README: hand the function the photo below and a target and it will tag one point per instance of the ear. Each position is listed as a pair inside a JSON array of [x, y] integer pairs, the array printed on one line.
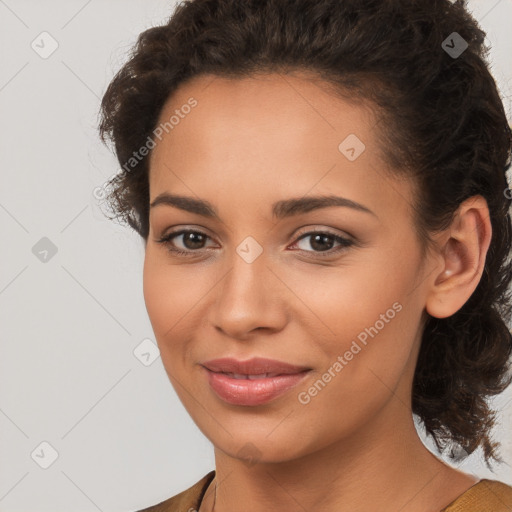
[[462, 252]]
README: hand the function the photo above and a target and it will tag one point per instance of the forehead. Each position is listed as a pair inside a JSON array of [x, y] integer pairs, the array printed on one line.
[[254, 110], [269, 136]]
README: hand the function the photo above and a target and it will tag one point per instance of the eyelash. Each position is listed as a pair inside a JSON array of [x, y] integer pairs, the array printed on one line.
[[344, 243]]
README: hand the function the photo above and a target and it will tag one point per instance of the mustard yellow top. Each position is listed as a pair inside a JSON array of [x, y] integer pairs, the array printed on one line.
[[485, 496]]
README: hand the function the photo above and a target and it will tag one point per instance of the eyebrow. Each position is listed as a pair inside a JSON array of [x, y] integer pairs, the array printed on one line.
[[280, 209]]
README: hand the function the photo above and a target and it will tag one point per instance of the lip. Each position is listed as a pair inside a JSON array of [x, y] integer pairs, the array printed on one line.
[[249, 392], [254, 366]]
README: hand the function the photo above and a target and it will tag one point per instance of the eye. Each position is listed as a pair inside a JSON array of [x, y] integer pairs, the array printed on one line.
[[192, 240], [322, 241]]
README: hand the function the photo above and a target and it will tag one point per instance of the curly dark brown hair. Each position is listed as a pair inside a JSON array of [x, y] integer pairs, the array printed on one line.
[[446, 128]]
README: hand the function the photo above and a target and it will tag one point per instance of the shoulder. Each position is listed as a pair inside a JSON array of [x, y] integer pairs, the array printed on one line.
[[484, 496], [187, 500]]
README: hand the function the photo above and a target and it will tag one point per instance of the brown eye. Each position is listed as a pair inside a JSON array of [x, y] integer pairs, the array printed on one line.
[[323, 242], [192, 241]]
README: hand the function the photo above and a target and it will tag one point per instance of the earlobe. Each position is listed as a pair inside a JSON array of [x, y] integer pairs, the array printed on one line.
[[463, 252]]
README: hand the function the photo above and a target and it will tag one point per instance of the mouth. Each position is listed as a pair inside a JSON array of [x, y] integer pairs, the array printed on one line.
[[257, 366], [252, 386], [241, 376]]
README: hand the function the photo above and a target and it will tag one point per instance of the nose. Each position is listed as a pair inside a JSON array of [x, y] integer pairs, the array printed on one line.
[[249, 298]]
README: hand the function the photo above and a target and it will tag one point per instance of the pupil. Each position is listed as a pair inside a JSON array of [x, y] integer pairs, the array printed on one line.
[[323, 239], [189, 237]]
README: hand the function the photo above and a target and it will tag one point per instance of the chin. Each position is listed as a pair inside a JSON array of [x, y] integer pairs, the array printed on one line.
[[256, 447]]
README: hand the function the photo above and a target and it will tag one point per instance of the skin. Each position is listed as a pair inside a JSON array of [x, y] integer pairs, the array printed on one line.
[[248, 143]]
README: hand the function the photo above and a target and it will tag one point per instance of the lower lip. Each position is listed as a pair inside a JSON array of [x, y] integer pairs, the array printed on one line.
[[252, 392]]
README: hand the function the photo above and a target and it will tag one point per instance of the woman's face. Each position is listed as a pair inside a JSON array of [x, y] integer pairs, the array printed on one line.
[[260, 280]]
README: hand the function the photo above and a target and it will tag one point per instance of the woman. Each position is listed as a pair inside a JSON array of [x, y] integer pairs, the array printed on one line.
[[320, 187]]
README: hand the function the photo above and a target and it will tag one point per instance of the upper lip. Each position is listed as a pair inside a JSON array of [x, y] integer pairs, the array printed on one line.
[[254, 366]]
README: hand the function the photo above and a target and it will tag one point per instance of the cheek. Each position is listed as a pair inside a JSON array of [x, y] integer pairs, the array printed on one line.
[[165, 295], [363, 361], [174, 295], [170, 291], [368, 316]]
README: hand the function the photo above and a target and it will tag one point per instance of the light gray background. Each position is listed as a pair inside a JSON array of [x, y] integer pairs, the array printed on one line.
[[69, 326]]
